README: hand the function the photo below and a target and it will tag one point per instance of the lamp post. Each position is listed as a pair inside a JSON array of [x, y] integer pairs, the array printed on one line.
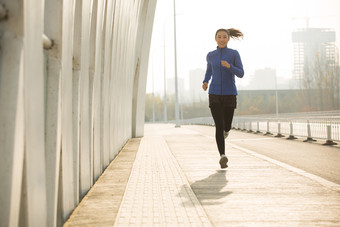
[[164, 68], [164, 60], [153, 83], [153, 90], [276, 99], [176, 82]]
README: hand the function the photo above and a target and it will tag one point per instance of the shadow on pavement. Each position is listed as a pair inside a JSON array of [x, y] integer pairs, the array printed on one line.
[[208, 190]]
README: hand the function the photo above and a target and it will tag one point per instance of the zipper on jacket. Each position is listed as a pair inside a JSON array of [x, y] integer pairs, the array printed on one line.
[[221, 69]]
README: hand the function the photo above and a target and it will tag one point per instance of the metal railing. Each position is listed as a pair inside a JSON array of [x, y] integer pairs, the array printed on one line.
[[312, 126], [327, 128]]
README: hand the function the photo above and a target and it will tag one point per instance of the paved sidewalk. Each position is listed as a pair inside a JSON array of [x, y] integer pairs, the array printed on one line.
[[176, 181], [254, 191], [158, 193]]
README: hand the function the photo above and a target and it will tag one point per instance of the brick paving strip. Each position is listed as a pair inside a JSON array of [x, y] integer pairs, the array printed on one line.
[[101, 204], [158, 193]]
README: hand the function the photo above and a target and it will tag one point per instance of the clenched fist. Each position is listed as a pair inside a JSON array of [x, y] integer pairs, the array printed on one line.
[[225, 64], [205, 86]]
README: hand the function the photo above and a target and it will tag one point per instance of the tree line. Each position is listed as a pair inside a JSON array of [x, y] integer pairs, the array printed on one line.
[[319, 91]]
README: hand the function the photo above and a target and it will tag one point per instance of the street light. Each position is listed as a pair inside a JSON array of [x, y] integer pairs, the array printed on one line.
[[276, 98], [164, 60], [153, 85], [164, 68], [176, 82], [153, 90]]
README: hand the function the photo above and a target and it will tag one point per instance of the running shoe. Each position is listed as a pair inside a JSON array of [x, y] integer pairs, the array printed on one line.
[[223, 161]]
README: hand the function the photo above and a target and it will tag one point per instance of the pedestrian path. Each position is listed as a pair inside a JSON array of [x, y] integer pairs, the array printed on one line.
[[253, 191], [158, 193], [176, 180]]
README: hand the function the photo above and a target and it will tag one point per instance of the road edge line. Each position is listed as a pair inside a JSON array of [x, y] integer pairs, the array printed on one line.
[[320, 180]]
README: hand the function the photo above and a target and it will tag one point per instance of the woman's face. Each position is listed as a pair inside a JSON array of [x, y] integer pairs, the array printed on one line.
[[222, 39]]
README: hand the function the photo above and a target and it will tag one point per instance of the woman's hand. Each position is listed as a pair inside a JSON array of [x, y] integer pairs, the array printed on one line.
[[225, 64], [205, 86]]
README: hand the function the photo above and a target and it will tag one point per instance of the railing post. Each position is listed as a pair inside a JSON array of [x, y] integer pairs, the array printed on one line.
[[329, 136], [309, 133], [250, 127], [291, 135], [257, 127], [279, 130], [244, 126], [268, 132]]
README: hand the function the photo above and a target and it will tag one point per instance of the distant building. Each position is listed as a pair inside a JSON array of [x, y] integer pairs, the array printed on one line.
[[310, 44]]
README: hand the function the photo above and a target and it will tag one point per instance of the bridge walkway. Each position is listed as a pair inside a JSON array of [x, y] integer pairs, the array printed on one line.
[[171, 177]]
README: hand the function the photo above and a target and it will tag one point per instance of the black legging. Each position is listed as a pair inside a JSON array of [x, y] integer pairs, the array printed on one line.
[[223, 116]]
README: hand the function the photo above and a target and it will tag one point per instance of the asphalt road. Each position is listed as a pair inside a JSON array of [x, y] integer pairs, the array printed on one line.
[[314, 158]]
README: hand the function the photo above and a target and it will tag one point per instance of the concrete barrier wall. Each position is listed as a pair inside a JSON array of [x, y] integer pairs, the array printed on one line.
[[66, 110]]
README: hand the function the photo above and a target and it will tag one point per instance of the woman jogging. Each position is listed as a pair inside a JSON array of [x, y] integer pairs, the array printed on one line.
[[223, 64]]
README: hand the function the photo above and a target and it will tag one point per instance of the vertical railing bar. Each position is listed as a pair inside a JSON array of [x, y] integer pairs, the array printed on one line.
[[309, 133], [279, 130], [329, 140], [291, 135], [268, 131]]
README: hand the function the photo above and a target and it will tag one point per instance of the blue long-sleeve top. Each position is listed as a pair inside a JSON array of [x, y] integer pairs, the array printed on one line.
[[223, 78]]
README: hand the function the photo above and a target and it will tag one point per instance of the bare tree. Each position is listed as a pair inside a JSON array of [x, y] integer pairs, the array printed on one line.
[[321, 80]]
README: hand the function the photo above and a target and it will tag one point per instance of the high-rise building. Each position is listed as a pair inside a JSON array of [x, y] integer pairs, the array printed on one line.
[[311, 45]]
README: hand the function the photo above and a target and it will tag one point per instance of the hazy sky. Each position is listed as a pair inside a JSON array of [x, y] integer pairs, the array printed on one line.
[[267, 26]]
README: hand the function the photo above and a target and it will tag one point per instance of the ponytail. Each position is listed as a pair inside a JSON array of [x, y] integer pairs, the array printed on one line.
[[232, 33], [235, 33]]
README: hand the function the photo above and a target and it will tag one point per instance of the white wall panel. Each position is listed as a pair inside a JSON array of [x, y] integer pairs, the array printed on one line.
[[76, 94], [84, 97], [34, 161], [18, 154], [106, 82], [143, 41], [66, 78], [93, 27], [96, 96], [11, 111], [53, 29], [66, 112]]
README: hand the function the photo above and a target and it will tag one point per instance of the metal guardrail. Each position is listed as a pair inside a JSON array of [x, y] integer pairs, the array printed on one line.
[[314, 125], [327, 128]]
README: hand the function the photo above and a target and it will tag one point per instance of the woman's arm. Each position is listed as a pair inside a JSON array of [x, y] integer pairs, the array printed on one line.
[[236, 69], [208, 72]]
